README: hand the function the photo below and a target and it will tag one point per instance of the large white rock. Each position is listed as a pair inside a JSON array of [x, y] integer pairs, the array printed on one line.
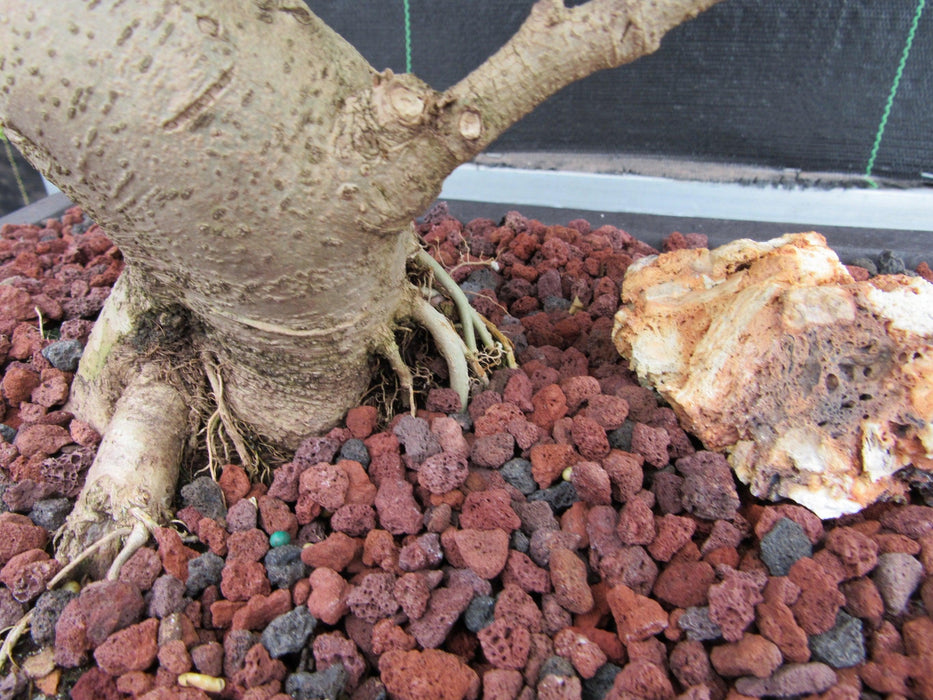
[[819, 387]]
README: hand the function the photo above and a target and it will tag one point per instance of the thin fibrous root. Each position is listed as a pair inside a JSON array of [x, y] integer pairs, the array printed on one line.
[[247, 457], [449, 343], [390, 351]]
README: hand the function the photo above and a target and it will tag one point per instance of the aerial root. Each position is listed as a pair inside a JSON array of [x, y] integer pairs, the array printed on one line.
[[222, 417], [390, 351], [479, 344]]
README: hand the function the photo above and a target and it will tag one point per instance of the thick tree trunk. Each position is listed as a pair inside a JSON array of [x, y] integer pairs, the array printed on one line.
[[260, 177]]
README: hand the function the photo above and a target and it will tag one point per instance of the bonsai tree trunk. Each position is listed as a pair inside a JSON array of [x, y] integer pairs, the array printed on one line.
[[260, 178]]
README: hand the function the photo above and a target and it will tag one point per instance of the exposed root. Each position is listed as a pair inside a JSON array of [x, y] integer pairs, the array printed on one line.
[[390, 351], [12, 638], [88, 552], [223, 418], [450, 345], [136, 466]]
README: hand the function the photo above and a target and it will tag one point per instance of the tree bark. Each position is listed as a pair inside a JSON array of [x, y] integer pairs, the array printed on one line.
[[258, 173]]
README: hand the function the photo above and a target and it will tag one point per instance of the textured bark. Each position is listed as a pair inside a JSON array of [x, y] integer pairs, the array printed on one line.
[[255, 170]]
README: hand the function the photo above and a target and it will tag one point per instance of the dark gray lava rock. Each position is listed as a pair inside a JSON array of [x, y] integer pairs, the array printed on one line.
[[785, 543], [321, 685], [479, 613], [598, 687], [203, 571], [64, 354], [556, 666], [284, 566], [621, 437], [50, 513], [205, 495], [841, 646], [289, 632], [355, 449], [45, 614], [517, 472], [559, 497], [7, 433], [890, 264]]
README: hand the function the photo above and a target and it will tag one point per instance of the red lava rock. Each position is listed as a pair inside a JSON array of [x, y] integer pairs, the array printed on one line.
[[651, 443], [326, 484], [250, 545], [578, 390], [549, 461], [27, 573], [275, 515], [39, 439], [492, 451], [501, 684], [642, 679], [259, 668], [911, 520], [752, 655], [444, 607], [234, 482], [18, 534], [495, 418], [684, 584], [625, 473], [141, 569], [328, 598], [442, 472], [505, 644], [488, 510], [372, 599], [518, 392], [568, 579], [637, 617], [95, 684], [397, 509], [636, 523], [582, 652], [550, 405], [674, 532], [589, 438], [863, 600], [483, 551], [333, 648], [260, 610], [819, 600], [732, 602], [19, 381], [174, 657], [790, 679], [412, 592], [241, 579], [131, 649], [173, 553], [690, 664], [53, 391], [362, 420], [427, 675], [335, 552]]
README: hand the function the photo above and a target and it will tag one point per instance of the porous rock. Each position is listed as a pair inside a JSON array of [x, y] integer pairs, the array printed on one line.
[[816, 385]]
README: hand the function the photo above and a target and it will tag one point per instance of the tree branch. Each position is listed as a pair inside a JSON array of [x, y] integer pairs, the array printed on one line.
[[556, 46]]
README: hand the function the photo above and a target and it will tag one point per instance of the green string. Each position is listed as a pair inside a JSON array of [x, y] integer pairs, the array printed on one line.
[[407, 36], [892, 93]]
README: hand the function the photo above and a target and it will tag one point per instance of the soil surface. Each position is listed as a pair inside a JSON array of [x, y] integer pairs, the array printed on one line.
[[563, 538]]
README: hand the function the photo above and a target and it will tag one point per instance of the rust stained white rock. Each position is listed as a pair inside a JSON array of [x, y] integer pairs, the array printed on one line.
[[818, 386]]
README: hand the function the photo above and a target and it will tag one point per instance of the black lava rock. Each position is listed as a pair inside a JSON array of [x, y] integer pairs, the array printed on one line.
[[45, 615], [203, 571], [64, 354], [479, 613], [621, 437], [842, 646], [559, 497], [284, 566], [784, 544], [321, 685], [289, 632], [598, 687], [206, 496], [50, 513], [355, 450], [517, 472]]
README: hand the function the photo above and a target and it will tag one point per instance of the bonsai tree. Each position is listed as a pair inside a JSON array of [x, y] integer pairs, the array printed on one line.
[[261, 179]]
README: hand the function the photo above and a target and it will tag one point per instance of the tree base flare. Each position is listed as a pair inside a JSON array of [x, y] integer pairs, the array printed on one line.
[[136, 466]]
